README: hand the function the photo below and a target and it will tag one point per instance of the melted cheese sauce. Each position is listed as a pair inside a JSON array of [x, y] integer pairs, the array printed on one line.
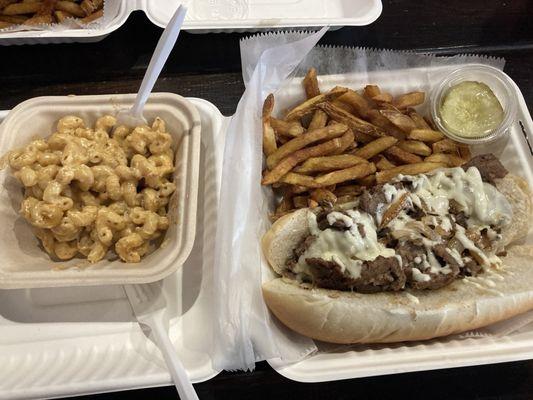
[[481, 202]]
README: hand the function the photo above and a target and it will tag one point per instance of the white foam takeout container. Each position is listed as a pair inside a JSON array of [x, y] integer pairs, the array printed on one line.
[[25, 265], [59, 342], [335, 362], [216, 16]]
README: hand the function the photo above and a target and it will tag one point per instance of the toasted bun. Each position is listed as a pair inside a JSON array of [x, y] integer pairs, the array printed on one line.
[[349, 317]]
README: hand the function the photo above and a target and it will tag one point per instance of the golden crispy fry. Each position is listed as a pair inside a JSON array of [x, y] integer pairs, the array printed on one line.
[[328, 163], [324, 197], [293, 178], [344, 106], [285, 128], [5, 24], [299, 156], [383, 98], [383, 163], [312, 203], [367, 181], [345, 141], [399, 119], [415, 147], [445, 146], [319, 120], [408, 169], [357, 102], [94, 16], [39, 19], [5, 3], [419, 121], [269, 137], [343, 175], [13, 19], [348, 190], [70, 7], [62, 15], [464, 151], [375, 117], [409, 100], [89, 7], [22, 8], [425, 135], [372, 91], [375, 147], [300, 201], [451, 160], [310, 105], [353, 122], [310, 83], [401, 156], [303, 140]]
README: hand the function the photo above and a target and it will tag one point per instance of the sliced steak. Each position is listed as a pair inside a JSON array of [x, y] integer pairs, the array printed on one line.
[[408, 251], [471, 268], [437, 280], [371, 199], [489, 167], [329, 275]]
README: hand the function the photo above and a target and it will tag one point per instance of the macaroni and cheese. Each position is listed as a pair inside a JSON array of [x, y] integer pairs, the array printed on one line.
[[89, 190]]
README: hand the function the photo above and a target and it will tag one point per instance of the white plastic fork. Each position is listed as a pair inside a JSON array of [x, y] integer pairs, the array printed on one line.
[[148, 304], [134, 115]]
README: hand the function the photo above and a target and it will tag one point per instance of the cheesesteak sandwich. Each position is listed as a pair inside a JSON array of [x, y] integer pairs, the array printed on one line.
[[419, 257]]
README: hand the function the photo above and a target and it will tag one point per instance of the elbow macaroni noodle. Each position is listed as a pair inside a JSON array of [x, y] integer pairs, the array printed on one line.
[[89, 190]]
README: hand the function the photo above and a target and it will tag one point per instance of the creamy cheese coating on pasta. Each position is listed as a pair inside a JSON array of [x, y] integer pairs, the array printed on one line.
[[90, 190]]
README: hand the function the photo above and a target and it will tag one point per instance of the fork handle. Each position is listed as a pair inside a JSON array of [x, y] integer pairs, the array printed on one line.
[[177, 370]]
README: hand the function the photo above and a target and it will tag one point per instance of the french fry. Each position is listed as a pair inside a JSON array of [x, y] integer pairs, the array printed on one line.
[[353, 122], [5, 24], [269, 137], [293, 178], [393, 210], [375, 147], [344, 106], [464, 152], [419, 121], [408, 169], [399, 119], [367, 181], [372, 91], [300, 201], [375, 117], [356, 172], [21, 8], [383, 163], [415, 147], [328, 163], [324, 197], [89, 7], [357, 102], [409, 100], [312, 203], [285, 128], [328, 132], [62, 15], [445, 146], [310, 84], [13, 19], [310, 105], [383, 98], [345, 141], [299, 156], [450, 160], [39, 19], [319, 120], [401, 156], [348, 190], [92, 17], [70, 7], [425, 135], [5, 3]]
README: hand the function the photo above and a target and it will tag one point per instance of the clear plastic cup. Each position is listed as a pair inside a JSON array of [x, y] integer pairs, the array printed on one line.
[[497, 81]]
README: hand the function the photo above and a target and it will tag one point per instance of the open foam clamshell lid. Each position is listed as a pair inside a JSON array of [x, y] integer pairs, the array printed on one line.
[[214, 16]]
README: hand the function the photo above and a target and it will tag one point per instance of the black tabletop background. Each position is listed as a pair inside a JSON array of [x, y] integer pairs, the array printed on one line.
[[208, 66]]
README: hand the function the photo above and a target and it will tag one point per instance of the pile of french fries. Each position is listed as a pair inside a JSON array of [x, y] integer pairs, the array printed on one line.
[[326, 150], [35, 12]]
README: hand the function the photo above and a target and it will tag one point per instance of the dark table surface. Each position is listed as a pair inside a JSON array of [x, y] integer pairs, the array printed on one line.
[[208, 66]]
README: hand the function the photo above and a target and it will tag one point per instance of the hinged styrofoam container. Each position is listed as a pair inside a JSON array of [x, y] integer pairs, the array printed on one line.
[[25, 265], [335, 362], [59, 342], [217, 16]]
